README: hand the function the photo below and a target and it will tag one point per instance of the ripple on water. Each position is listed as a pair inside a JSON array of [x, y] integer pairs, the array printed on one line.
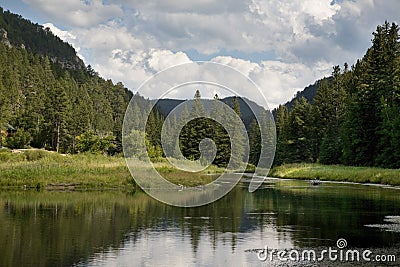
[[392, 224]]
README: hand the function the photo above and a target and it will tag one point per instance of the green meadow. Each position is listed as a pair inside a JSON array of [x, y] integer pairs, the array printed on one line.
[[48, 170]]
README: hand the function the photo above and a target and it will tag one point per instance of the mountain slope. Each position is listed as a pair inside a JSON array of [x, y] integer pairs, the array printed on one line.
[[20, 32], [50, 97], [308, 93]]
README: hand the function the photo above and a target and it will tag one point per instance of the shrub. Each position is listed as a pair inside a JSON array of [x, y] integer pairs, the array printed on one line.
[[89, 142], [20, 139]]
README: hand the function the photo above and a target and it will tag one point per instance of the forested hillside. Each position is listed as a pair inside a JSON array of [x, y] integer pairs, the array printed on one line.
[[308, 93], [50, 97], [355, 117], [19, 32], [70, 110], [51, 106]]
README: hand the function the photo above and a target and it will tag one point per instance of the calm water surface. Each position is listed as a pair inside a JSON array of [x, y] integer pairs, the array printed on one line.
[[131, 229]]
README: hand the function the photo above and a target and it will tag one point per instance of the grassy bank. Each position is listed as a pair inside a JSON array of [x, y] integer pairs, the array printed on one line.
[[337, 173], [43, 169], [52, 171]]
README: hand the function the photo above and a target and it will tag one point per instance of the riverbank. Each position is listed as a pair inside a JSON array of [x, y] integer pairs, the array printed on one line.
[[51, 171], [337, 173]]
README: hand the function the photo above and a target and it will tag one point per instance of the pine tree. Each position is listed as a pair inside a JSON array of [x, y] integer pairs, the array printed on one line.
[[268, 139], [4, 107], [174, 133], [195, 130], [238, 138], [282, 120], [82, 110], [299, 144], [197, 109], [236, 106], [389, 145], [328, 109], [61, 119], [366, 133], [220, 134], [32, 118], [254, 142]]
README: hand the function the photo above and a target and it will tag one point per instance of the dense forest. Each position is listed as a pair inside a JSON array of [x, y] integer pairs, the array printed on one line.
[[51, 107], [355, 115], [55, 102], [49, 98], [188, 140]]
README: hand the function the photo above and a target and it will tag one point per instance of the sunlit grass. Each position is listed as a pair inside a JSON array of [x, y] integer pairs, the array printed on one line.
[[54, 170], [49, 170], [338, 173]]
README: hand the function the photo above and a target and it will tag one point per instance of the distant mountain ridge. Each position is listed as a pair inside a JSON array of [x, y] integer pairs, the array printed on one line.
[[165, 106]]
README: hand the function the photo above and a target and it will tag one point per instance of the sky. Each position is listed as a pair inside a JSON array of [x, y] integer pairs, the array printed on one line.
[[282, 45]]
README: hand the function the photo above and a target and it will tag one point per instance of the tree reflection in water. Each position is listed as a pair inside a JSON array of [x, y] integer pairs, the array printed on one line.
[[65, 228]]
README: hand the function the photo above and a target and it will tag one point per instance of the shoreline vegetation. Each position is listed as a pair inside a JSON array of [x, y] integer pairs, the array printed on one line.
[[337, 173], [40, 169]]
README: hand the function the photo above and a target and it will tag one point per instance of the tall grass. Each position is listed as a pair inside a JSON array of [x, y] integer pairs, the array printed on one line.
[[49, 170], [338, 173], [39, 168]]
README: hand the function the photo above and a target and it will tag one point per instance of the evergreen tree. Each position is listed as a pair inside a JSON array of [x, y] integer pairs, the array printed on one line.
[[220, 134], [268, 137], [388, 146], [299, 139], [195, 130], [154, 127], [238, 139], [365, 131], [254, 142], [328, 109], [82, 110], [4, 107], [60, 119], [236, 106], [282, 120]]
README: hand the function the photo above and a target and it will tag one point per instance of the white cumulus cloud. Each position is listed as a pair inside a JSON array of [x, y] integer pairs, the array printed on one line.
[[283, 45]]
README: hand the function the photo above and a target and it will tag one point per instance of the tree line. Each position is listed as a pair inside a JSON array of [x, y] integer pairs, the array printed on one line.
[[355, 117], [188, 128]]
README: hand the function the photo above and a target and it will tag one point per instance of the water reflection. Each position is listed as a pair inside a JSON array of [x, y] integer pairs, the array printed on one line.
[[131, 229]]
